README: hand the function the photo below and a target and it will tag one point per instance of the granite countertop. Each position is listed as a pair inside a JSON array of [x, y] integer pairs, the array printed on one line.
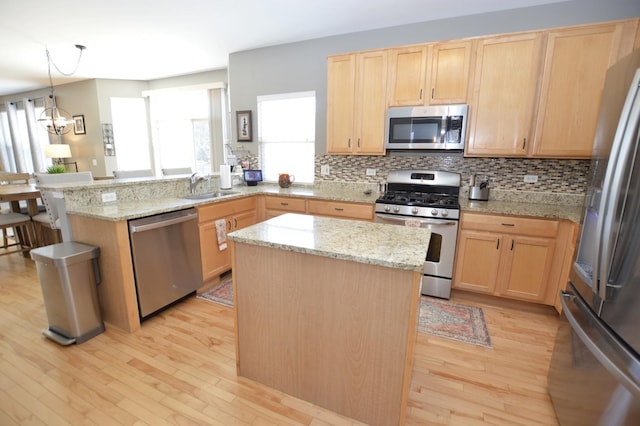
[[132, 209], [134, 203], [403, 248], [536, 210]]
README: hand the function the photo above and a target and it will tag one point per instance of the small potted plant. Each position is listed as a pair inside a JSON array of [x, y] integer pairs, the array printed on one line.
[[56, 168]]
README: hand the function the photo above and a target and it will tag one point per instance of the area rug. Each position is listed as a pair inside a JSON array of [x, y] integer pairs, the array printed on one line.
[[222, 293], [453, 321]]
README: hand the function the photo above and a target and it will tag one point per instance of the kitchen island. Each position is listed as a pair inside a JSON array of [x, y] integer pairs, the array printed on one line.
[[326, 311]]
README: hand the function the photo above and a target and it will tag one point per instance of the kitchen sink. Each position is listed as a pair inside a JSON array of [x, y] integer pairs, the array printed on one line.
[[208, 195]]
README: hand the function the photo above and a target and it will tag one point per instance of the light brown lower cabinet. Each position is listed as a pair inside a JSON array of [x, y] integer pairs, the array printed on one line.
[[237, 214], [275, 206], [514, 257], [340, 209]]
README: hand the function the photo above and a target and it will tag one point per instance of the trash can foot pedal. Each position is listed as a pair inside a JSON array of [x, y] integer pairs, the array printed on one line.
[[58, 338]]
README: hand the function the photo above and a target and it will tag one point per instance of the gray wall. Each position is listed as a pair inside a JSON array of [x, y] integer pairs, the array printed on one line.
[[302, 66]]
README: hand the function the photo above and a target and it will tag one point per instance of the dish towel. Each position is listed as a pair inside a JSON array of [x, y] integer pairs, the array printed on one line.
[[221, 233]]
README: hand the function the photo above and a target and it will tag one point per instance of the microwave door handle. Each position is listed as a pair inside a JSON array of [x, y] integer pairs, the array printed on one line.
[[615, 185]]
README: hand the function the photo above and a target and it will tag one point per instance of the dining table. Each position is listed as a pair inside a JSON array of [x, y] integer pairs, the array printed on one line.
[[14, 193]]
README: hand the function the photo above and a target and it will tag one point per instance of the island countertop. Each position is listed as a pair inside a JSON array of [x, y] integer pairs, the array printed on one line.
[[364, 242]]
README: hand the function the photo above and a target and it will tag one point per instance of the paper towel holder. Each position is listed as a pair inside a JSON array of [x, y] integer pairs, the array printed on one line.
[[252, 177]]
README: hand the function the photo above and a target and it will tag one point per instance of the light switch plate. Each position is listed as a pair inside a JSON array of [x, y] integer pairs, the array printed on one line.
[[371, 172], [108, 197], [324, 169], [530, 178]]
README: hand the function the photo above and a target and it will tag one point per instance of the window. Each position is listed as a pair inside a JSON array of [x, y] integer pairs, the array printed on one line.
[[130, 135], [286, 133], [22, 137], [182, 122]]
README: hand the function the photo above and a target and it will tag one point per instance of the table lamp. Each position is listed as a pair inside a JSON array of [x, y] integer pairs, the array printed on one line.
[[57, 151]]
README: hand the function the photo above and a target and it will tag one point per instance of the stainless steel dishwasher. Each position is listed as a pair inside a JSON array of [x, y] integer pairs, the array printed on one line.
[[166, 258]]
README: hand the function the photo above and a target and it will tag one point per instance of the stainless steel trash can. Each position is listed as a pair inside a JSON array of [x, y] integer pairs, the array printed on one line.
[[69, 276]]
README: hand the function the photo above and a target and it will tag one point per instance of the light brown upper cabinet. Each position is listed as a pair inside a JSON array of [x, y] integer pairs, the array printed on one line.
[[407, 75], [448, 75], [430, 74], [357, 103], [504, 94], [575, 65]]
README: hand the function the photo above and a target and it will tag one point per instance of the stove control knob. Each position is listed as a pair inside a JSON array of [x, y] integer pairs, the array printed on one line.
[[414, 210], [444, 213], [387, 209], [396, 209], [434, 212]]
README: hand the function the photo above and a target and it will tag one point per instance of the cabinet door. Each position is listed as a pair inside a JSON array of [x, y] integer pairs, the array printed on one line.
[[573, 77], [341, 75], [242, 220], [477, 261], [528, 262], [450, 65], [408, 68], [504, 93], [371, 102], [214, 260]]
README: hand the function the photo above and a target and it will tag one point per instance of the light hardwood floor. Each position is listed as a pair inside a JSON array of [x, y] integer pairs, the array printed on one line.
[[180, 369]]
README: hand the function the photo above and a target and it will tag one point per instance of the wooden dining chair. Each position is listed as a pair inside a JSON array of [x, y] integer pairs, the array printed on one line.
[[9, 178], [24, 240], [13, 178]]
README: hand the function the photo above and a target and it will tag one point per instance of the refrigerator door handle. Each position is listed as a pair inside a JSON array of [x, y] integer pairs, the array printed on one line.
[[605, 347], [614, 187]]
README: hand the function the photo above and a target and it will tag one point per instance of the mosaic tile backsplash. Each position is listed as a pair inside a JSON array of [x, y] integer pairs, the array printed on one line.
[[557, 176]]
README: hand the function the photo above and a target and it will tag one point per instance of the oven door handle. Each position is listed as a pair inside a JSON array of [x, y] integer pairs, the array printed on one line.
[[426, 221]]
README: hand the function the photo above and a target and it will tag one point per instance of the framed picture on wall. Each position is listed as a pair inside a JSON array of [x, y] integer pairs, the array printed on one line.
[[243, 126], [78, 125]]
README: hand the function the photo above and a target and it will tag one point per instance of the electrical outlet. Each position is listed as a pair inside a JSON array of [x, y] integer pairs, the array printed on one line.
[[371, 172], [530, 178], [94, 162], [324, 169], [108, 197]]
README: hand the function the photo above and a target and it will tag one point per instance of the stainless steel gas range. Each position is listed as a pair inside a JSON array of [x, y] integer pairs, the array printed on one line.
[[426, 199]]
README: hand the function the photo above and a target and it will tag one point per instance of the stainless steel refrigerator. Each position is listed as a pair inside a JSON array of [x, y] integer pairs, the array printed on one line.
[[594, 376]]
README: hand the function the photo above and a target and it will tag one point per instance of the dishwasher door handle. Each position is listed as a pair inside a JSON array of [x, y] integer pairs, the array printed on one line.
[[163, 223]]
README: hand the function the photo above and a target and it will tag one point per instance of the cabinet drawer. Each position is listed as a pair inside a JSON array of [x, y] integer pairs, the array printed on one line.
[[338, 209], [217, 210], [510, 224], [289, 204]]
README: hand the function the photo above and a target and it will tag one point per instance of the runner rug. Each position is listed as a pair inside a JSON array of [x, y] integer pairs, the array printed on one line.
[[438, 317], [222, 293], [453, 321]]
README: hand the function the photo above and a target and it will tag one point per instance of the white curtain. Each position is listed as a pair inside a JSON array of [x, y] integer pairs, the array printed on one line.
[[22, 139]]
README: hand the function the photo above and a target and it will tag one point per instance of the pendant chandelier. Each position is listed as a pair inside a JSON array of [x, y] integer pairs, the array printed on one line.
[[56, 120]]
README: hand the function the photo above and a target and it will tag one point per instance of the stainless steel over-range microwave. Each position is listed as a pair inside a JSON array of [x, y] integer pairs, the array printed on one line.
[[440, 127]]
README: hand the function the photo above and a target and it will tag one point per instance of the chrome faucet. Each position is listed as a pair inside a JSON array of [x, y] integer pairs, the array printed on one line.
[[195, 180]]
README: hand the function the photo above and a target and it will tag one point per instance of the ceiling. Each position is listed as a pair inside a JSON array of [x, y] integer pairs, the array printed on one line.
[[142, 40]]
